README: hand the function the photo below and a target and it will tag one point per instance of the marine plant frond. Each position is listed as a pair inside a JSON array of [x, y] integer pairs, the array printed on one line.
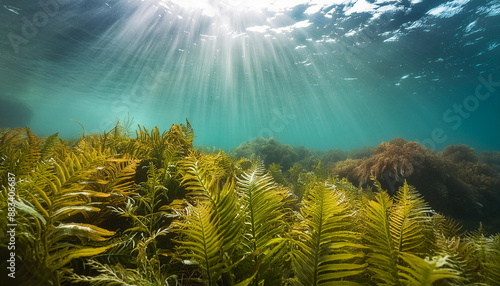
[[50, 199], [264, 222], [123, 181], [110, 186], [12, 137], [459, 253], [81, 125], [111, 142], [108, 275], [170, 156], [376, 183], [201, 179], [409, 221], [118, 275], [492, 262], [325, 251], [230, 212], [77, 171], [152, 192], [123, 127], [424, 272], [146, 224], [152, 144], [20, 151], [485, 257], [396, 230], [33, 149], [200, 242], [196, 178], [51, 145], [50, 238], [188, 132], [64, 189], [204, 174], [447, 226], [145, 136], [383, 257], [181, 137]]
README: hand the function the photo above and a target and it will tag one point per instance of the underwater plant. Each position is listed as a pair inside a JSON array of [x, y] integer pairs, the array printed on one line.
[[346, 169], [459, 153], [51, 202], [108, 209], [263, 223], [454, 182], [491, 159], [270, 151], [326, 248], [334, 155], [397, 159], [276, 172]]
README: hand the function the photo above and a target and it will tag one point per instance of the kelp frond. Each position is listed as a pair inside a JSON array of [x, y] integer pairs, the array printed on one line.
[[424, 272], [264, 223], [410, 219], [147, 207], [118, 275], [201, 242], [325, 250], [49, 201], [383, 257], [396, 234]]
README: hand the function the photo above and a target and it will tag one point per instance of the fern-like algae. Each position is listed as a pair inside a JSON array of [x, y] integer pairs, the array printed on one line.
[[383, 258], [20, 151], [323, 253], [264, 224], [202, 242], [396, 236], [153, 211], [202, 178], [425, 272], [49, 200]]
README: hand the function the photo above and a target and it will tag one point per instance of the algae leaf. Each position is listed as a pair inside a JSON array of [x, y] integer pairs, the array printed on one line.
[[202, 242], [323, 253]]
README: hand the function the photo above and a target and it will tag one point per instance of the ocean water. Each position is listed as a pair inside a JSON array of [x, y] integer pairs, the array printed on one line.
[[323, 74]]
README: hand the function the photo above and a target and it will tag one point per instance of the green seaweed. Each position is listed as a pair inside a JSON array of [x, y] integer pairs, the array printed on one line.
[[114, 209]]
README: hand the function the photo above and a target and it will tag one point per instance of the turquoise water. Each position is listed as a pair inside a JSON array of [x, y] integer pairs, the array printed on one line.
[[323, 74]]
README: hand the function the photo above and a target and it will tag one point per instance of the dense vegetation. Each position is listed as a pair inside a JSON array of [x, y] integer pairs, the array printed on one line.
[[109, 209], [458, 181]]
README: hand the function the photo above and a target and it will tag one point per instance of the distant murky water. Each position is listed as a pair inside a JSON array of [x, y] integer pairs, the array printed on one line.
[[324, 74]]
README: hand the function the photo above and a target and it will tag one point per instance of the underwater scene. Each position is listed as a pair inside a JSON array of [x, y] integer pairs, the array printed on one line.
[[230, 142]]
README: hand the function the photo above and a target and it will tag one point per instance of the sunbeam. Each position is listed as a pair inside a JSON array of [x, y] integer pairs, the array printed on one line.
[[307, 72]]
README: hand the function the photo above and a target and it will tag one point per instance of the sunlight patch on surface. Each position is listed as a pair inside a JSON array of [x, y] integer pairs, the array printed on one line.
[[212, 8], [449, 9], [361, 6]]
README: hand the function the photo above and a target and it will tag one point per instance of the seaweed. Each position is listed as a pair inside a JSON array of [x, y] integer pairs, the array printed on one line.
[[397, 159], [491, 159], [109, 209], [269, 150]]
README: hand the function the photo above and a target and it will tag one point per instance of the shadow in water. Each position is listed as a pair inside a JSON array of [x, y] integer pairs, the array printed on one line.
[[14, 112]]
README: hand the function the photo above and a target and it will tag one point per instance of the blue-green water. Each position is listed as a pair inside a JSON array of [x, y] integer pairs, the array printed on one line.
[[323, 74]]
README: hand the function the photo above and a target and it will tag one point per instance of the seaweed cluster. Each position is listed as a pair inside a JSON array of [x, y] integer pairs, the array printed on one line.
[[270, 151], [457, 181], [453, 181], [109, 209], [491, 159]]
